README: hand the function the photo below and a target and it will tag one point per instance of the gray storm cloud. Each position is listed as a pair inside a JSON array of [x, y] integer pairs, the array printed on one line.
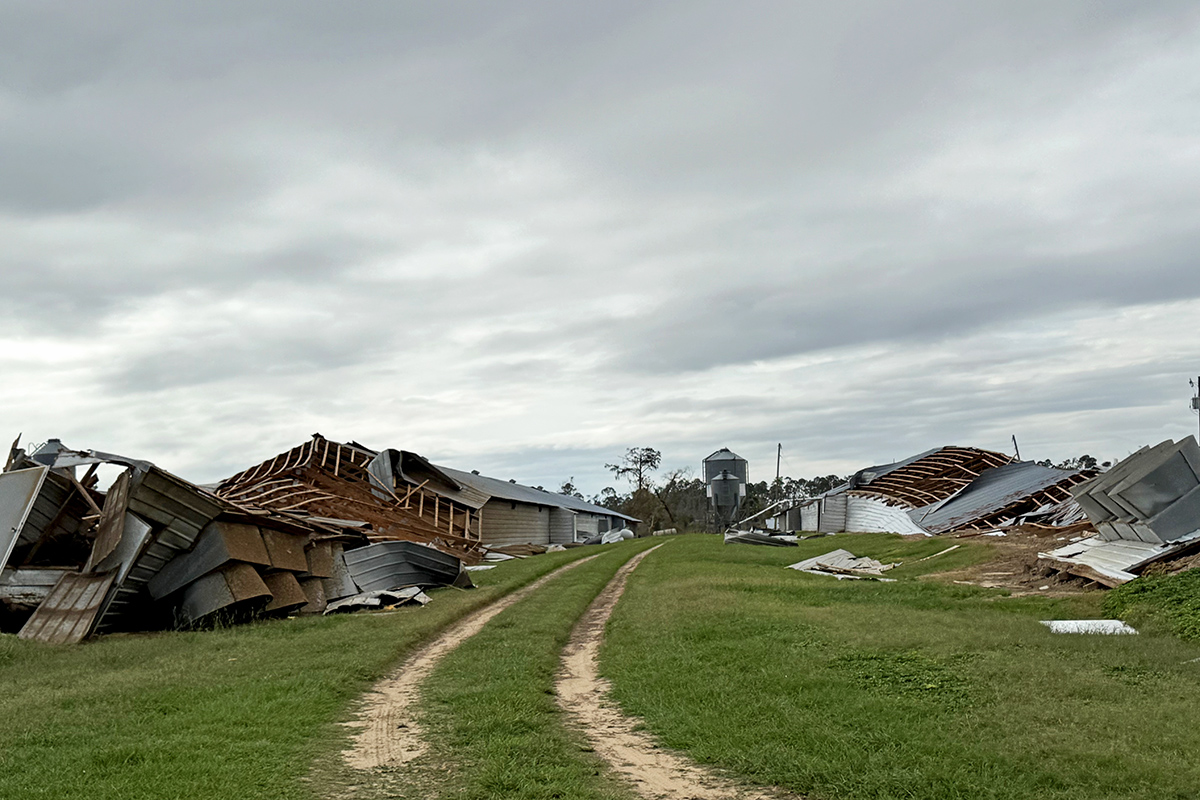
[[527, 236]]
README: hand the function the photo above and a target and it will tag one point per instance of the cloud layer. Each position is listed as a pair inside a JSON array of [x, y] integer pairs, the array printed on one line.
[[523, 237]]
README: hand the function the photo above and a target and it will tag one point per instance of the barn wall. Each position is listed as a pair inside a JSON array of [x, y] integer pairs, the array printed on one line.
[[562, 526], [810, 516], [833, 514], [524, 524], [872, 515]]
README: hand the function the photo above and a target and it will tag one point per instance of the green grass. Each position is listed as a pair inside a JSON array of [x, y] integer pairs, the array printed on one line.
[[490, 705], [240, 713], [1166, 603], [914, 689]]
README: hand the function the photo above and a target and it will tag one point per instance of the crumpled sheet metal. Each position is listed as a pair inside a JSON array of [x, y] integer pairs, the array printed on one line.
[[843, 564], [1114, 562], [754, 537], [379, 599]]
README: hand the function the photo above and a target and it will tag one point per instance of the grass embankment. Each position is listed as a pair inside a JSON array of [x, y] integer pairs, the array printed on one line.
[[234, 713], [490, 707], [914, 689], [1160, 603]]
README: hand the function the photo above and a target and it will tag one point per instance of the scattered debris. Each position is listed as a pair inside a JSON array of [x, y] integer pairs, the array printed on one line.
[[1100, 626], [379, 599], [844, 564], [1146, 509], [940, 553], [756, 537]]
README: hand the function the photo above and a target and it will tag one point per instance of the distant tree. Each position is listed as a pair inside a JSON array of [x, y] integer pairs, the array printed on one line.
[[636, 466], [569, 488], [1084, 461], [682, 498], [609, 498]]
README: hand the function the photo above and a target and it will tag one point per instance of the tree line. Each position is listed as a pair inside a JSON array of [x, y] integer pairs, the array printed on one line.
[[677, 498]]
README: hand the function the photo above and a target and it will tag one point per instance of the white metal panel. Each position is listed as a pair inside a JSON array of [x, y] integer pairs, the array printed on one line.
[[833, 514], [810, 516], [509, 522], [18, 492], [872, 515]]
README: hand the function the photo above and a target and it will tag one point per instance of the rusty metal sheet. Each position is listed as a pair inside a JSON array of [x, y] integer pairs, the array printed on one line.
[[18, 492], [314, 590], [286, 594], [286, 550], [235, 585], [320, 559], [341, 584], [112, 521], [220, 542], [69, 614]]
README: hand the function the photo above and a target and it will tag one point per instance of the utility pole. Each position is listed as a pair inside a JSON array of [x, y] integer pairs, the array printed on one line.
[[778, 458], [1196, 402], [1016, 448]]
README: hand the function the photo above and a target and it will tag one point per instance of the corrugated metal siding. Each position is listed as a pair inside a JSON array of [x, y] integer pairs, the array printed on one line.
[[587, 525], [69, 613], [992, 491], [872, 515], [562, 526], [810, 516], [833, 514], [524, 524]]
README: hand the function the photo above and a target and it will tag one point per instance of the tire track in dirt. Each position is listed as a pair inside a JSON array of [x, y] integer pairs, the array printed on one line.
[[390, 733], [654, 773]]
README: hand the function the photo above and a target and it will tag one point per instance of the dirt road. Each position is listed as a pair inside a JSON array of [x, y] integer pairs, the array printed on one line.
[[390, 734], [583, 694]]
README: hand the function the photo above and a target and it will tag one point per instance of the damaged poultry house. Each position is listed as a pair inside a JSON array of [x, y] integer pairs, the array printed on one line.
[[948, 489], [155, 551], [1145, 509]]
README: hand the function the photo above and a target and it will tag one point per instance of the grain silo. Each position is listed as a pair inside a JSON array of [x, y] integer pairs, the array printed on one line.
[[725, 476]]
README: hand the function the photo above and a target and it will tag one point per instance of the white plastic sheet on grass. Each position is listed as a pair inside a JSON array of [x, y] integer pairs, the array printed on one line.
[[1101, 626]]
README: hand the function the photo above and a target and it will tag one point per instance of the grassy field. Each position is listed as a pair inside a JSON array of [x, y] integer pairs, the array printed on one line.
[[237, 713], [914, 689], [850, 689], [1161, 603]]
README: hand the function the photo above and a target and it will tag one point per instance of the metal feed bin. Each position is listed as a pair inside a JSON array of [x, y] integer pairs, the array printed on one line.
[[726, 475]]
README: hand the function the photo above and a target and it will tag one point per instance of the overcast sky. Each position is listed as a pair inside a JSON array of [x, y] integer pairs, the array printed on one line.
[[523, 237]]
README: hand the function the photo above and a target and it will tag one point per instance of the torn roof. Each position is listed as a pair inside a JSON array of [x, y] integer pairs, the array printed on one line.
[[516, 492], [996, 490], [927, 478]]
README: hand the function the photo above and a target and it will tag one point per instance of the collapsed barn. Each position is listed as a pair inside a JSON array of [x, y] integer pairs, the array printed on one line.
[[948, 489], [325, 526]]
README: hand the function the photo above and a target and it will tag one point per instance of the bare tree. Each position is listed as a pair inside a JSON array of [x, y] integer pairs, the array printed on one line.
[[636, 466]]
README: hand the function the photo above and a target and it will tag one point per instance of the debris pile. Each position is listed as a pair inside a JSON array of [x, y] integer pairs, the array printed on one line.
[[309, 531], [1146, 509], [843, 564], [962, 490]]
